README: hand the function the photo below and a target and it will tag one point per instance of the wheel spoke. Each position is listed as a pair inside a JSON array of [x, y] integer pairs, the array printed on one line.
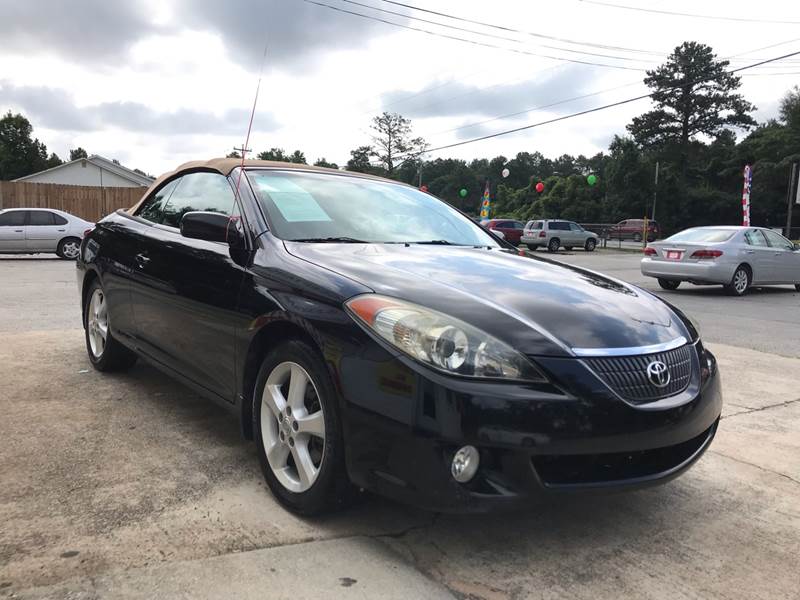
[[305, 467], [297, 388], [274, 399], [313, 424], [277, 456]]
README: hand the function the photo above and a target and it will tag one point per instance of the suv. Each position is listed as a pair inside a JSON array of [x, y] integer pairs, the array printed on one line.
[[633, 229], [555, 233], [512, 230]]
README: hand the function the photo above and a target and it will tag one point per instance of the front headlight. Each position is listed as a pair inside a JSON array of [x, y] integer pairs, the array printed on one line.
[[441, 341]]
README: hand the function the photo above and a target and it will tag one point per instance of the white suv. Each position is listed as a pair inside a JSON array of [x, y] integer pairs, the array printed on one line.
[[555, 233]]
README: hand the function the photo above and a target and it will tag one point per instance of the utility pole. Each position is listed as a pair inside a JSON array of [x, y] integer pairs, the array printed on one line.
[[655, 195], [241, 150], [793, 185]]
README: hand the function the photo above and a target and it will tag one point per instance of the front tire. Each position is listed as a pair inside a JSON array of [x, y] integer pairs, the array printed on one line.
[[105, 352], [298, 431], [740, 282], [69, 248], [668, 284], [590, 245], [554, 245], [637, 237]]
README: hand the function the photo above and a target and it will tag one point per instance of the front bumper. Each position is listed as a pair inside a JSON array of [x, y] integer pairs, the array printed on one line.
[[403, 423], [700, 271]]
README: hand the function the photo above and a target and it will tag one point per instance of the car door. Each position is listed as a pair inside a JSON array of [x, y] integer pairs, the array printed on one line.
[[43, 232], [759, 255], [185, 291], [785, 260], [577, 236], [12, 230]]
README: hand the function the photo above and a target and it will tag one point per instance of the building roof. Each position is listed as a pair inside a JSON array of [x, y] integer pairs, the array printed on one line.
[[102, 163]]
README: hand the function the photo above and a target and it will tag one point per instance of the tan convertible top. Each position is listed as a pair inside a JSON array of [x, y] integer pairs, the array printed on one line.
[[226, 165]]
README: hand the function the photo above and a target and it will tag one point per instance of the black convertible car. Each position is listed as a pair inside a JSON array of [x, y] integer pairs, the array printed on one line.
[[367, 335]]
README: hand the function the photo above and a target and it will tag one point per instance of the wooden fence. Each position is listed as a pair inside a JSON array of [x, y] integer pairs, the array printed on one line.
[[90, 203]]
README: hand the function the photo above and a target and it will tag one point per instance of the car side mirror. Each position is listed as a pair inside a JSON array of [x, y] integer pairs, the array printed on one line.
[[212, 227], [796, 247]]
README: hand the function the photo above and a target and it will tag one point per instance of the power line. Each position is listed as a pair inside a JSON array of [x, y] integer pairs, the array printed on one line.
[[489, 35], [590, 110], [692, 15], [523, 32], [473, 42]]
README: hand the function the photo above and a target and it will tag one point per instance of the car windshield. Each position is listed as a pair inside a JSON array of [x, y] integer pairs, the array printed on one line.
[[702, 235], [319, 207]]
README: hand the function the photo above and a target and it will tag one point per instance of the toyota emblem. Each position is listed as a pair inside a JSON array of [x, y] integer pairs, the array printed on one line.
[[658, 374]]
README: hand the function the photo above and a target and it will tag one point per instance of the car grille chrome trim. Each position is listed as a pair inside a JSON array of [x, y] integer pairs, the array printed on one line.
[[627, 375], [630, 351]]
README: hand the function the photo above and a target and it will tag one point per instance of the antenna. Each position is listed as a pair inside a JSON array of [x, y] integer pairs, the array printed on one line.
[[244, 149]]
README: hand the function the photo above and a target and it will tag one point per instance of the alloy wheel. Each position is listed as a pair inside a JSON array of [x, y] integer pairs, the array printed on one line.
[[71, 250], [740, 281], [97, 323], [292, 426]]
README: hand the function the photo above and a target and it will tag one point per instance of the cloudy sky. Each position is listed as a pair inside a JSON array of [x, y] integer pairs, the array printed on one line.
[[154, 83]]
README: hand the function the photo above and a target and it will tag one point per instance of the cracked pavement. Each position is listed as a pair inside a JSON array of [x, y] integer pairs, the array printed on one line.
[[130, 486]]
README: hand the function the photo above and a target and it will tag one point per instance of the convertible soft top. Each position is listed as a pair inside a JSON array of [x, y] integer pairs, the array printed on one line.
[[226, 165]]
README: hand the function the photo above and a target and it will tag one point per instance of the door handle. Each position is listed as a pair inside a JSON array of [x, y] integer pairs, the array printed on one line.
[[142, 260], [62, 229], [19, 230], [749, 251]]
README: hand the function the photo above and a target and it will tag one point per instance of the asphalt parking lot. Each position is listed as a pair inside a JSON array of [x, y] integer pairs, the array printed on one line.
[[130, 486]]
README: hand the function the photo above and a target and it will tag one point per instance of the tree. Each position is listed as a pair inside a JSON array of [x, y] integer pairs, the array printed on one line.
[[359, 160], [233, 154], [790, 108], [280, 155], [694, 95], [392, 138], [321, 162], [53, 161], [20, 155], [77, 153]]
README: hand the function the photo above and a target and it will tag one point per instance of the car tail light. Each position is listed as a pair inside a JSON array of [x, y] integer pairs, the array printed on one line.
[[707, 254], [650, 251], [542, 234]]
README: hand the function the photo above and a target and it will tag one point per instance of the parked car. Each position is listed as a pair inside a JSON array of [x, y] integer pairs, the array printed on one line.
[[511, 230], [418, 358], [554, 233], [736, 257], [633, 229], [35, 230]]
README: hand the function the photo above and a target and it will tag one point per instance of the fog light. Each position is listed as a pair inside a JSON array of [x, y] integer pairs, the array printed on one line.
[[465, 464]]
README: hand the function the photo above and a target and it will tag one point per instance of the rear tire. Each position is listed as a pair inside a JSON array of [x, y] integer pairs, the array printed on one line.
[[69, 248], [740, 282], [105, 352], [797, 286], [554, 245], [590, 245], [322, 485], [637, 237], [668, 284]]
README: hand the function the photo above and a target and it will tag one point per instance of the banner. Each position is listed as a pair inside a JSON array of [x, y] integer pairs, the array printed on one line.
[[748, 182], [486, 205]]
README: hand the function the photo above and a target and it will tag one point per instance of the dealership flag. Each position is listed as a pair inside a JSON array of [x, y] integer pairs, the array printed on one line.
[[486, 205], [748, 182]]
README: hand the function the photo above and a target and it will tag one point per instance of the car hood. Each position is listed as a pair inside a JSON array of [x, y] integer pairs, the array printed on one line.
[[539, 306]]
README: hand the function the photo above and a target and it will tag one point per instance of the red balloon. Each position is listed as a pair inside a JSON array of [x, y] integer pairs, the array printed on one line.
[[540, 187]]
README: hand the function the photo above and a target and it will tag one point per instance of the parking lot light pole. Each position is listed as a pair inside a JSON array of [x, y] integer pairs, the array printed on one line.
[[655, 195], [793, 195]]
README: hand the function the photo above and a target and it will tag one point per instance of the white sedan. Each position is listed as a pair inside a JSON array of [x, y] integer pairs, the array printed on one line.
[[34, 230], [736, 257]]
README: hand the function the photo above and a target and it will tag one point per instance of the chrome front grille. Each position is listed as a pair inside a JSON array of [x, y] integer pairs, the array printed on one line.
[[628, 377]]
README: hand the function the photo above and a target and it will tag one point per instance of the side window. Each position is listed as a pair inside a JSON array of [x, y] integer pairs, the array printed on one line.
[[575, 227], [518, 225], [560, 226], [754, 237], [199, 191], [13, 218], [153, 207], [778, 241], [40, 217], [59, 220], [537, 225]]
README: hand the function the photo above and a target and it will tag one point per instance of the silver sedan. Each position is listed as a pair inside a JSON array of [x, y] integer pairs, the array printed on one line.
[[736, 257], [33, 230]]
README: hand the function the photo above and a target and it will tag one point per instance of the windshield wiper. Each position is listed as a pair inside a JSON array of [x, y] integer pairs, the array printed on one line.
[[325, 240], [435, 243]]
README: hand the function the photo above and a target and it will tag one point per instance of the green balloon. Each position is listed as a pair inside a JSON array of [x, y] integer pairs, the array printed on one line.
[[463, 192], [591, 179]]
